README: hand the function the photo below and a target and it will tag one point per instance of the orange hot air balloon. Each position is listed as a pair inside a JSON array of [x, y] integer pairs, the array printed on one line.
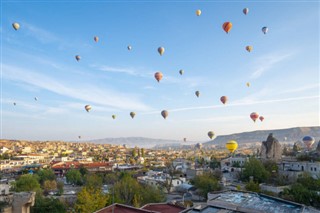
[[164, 114], [96, 38], [249, 48], [224, 99], [158, 76], [254, 116], [227, 26], [261, 118]]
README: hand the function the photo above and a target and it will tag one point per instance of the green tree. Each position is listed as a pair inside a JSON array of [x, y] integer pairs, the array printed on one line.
[[46, 174], [27, 183], [142, 152], [126, 190], [60, 186], [49, 185], [255, 168], [252, 186], [74, 177], [206, 183], [110, 178], [93, 181], [214, 163], [83, 170], [90, 200], [151, 194], [45, 205]]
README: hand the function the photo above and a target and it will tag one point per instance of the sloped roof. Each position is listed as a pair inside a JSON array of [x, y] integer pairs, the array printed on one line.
[[121, 208], [163, 207]]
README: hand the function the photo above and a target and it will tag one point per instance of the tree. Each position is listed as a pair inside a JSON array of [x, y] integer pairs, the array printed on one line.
[[255, 168], [110, 178], [49, 185], [45, 174], [45, 205], [126, 190], [90, 200], [93, 181], [214, 163], [27, 183], [60, 186], [142, 152], [206, 183], [151, 194], [74, 177], [252, 186], [83, 170]]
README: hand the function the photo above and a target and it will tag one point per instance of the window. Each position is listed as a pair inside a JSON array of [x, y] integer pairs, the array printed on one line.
[[311, 169], [178, 182], [315, 169]]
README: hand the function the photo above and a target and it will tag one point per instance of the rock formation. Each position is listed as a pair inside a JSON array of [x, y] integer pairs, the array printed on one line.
[[271, 149], [318, 147]]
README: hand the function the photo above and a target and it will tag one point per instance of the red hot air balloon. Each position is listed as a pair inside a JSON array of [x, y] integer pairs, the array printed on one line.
[[158, 76], [227, 26], [254, 116], [261, 118], [224, 99]]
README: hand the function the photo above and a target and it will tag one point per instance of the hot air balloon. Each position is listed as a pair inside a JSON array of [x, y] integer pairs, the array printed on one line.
[[254, 116], [199, 145], [132, 114], [227, 26], [308, 141], [158, 76], [185, 139], [87, 107], [265, 30], [248, 84], [79, 136], [78, 57], [181, 72], [232, 145], [129, 47], [224, 99], [261, 118], [210, 134], [249, 48], [16, 26], [96, 38], [198, 12], [113, 116], [245, 11], [197, 93], [14, 103], [35, 98], [161, 50], [164, 114]]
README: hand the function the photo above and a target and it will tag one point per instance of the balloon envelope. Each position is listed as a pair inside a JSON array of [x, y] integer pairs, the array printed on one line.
[[198, 12], [210, 134], [161, 50], [96, 38], [265, 30], [232, 145], [308, 141], [224, 99], [132, 114], [129, 47], [184, 139], [87, 107], [164, 114], [245, 11], [16, 26], [261, 118], [197, 93], [78, 57], [181, 72], [249, 48], [227, 26], [248, 84], [254, 116], [114, 116], [158, 76]]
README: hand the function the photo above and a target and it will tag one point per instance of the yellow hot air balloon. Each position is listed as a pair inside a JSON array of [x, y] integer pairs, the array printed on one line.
[[88, 108], [113, 116], [161, 50], [132, 114], [248, 84], [198, 12], [249, 48], [232, 145], [16, 26], [96, 38]]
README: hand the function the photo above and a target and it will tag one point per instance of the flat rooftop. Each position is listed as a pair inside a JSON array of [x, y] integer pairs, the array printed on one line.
[[253, 202]]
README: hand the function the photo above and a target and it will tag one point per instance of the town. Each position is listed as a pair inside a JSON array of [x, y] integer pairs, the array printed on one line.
[[86, 177]]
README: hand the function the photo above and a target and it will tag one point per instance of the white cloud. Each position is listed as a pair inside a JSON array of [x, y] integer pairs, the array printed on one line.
[[125, 70], [300, 89], [87, 93], [38, 33], [267, 62]]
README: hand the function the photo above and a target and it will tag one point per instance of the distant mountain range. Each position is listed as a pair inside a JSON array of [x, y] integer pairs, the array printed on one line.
[[283, 135]]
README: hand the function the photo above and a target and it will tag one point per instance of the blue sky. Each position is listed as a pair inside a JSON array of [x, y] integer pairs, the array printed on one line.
[[38, 60]]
